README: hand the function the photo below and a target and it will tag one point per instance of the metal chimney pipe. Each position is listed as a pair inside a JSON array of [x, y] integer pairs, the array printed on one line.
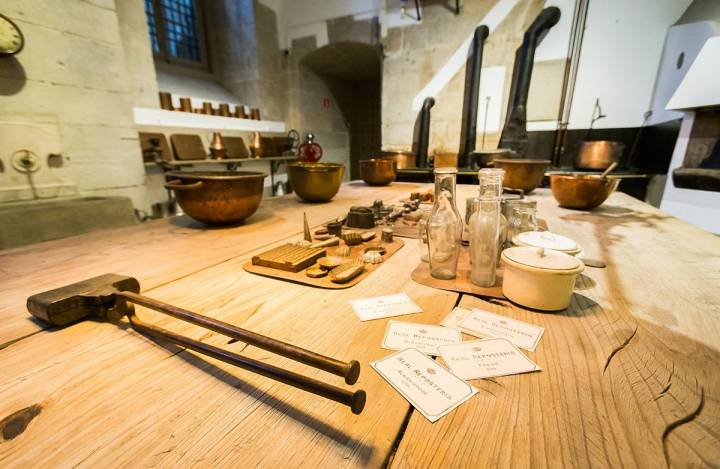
[[514, 134], [421, 150], [468, 130]]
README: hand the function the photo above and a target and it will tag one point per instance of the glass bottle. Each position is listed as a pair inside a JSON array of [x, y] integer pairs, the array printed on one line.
[[491, 185], [422, 231], [524, 218], [485, 230], [444, 227]]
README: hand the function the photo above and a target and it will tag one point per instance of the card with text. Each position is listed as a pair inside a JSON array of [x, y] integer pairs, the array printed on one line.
[[486, 358], [384, 306], [456, 316], [429, 387], [488, 325], [423, 337]]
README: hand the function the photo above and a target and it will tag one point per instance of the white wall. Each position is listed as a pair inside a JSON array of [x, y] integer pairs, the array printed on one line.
[[619, 61]]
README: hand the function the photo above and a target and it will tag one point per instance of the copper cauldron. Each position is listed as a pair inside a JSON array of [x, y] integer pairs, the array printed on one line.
[[377, 172], [217, 197], [582, 191], [522, 173]]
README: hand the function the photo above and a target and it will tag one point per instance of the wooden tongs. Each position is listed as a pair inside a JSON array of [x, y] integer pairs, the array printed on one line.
[[111, 296]]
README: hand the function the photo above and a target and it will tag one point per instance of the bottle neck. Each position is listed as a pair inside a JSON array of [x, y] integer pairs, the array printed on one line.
[[491, 183], [445, 186]]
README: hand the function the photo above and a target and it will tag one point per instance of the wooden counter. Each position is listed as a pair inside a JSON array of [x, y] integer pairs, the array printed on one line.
[[631, 369]]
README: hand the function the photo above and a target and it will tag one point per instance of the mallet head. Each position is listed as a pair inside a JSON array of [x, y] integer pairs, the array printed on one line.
[[93, 297]]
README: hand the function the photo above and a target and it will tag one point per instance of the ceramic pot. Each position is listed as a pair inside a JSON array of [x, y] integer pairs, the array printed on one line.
[[539, 278]]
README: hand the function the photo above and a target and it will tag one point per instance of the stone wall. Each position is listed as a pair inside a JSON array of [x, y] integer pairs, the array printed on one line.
[[414, 54], [71, 91]]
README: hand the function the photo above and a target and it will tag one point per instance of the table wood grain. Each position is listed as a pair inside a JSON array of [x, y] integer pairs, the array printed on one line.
[[630, 370]]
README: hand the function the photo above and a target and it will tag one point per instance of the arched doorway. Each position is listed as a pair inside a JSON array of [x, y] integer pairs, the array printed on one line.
[[352, 71]]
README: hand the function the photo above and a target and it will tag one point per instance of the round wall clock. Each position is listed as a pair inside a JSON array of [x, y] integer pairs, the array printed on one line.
[[11, 39]]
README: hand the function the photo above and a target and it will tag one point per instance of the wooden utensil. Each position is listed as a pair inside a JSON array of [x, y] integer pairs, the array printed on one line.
[[112, 296]]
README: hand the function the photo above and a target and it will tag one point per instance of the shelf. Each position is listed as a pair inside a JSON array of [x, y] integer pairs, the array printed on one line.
[[223, 161], [163, 118]]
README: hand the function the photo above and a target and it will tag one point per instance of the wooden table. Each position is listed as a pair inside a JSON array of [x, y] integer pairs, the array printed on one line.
[[630, 369]]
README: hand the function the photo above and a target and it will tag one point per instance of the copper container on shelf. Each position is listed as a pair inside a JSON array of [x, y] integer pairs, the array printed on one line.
[[598, 154], [217, 197], [256, 149], [377, 171], [185, 104], [403, 159], [224, 109], [445, 159], [582, 191], [166, 101], [521, 173], [240, 112], [207, 108], [218, 150], [255, 114]]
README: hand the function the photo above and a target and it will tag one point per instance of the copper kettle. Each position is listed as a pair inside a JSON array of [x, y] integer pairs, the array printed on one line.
[[217, 147]]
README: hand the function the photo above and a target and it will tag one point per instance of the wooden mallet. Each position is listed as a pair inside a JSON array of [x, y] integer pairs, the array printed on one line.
[[111, 297]]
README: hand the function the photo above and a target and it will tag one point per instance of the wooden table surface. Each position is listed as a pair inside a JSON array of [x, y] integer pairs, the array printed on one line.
[[631, 369]]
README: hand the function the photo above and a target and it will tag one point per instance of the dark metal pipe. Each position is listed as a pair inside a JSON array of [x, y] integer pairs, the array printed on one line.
[[468, 131], [421, 150], [514, 134]]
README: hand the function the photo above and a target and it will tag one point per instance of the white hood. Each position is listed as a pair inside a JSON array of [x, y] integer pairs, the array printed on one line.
[[701, 85]]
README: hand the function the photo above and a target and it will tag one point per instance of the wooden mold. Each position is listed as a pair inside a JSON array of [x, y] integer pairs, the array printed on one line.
[[325, 281], [289, 257]]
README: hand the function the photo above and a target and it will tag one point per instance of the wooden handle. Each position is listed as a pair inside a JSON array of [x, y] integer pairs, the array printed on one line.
[[348, 370], [176, 185], [354, 400]]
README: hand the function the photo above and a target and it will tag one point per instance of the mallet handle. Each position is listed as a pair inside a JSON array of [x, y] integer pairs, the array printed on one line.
[[354, 400], [348, 370]]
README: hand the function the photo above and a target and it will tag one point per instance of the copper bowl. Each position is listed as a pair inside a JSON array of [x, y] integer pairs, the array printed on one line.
[[217, 197], [403, 159], [377, 172], [316, 182], [521, 173], [581, 191]]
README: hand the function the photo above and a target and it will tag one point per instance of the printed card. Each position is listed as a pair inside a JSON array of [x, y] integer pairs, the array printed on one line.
[[456, 316], [486, 359], [423, 337], [488, 325], [384, 306], [429, 387]]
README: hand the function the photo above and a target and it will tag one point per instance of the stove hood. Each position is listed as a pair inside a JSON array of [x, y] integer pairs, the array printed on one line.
[[699, 88]]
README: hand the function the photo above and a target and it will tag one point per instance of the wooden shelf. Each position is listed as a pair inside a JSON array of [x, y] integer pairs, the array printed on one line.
[[223, 161], [163, 118]]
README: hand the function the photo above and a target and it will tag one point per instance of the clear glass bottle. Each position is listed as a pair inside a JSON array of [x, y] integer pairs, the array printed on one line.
[[486, 228], [524, 218], [444, 227], [491, 185], [422, 232]]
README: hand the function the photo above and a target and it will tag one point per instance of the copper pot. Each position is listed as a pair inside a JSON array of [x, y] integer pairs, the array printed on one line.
[[522, 173], [217, 197], [166, 101], [186, 105], [316, 182], [403, 159], [377, 171], [582, 191], [598, 154], [484, 158]]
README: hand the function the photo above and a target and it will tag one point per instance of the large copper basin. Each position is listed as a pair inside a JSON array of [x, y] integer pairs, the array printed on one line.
[[521, 173], [582, 191], [217, 197]]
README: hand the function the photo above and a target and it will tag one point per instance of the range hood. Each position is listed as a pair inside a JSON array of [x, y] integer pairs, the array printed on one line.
[[699, 88]]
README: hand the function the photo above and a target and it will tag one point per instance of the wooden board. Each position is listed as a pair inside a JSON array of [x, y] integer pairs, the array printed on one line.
[[461, 283], [325, 282]]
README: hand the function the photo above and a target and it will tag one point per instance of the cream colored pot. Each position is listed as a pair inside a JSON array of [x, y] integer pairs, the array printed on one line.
[[539, 278]]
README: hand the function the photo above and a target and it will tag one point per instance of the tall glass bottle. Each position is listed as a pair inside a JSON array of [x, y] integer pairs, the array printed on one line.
[[491, 185], [485, 230], [444, 227]]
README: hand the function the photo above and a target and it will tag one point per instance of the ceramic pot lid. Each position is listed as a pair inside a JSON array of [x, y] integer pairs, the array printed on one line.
[[547, 240], [541, 258]]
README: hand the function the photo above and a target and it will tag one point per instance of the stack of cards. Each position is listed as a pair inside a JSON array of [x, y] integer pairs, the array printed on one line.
[[429, 387]]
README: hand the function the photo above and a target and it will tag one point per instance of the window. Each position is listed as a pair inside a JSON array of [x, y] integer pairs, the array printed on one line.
[[176, 31]]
